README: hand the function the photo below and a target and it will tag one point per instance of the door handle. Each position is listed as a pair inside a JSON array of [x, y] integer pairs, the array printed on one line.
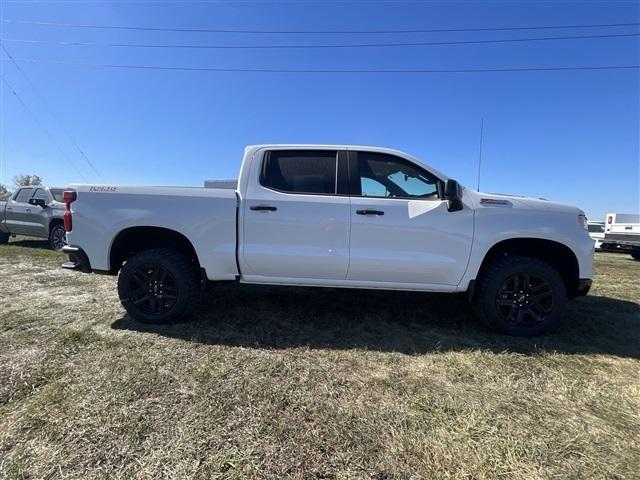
[[27, 209], [9, 208], [263, 208], [369, 212]]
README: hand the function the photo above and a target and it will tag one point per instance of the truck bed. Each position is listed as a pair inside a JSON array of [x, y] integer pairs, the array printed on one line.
[[205, 216]]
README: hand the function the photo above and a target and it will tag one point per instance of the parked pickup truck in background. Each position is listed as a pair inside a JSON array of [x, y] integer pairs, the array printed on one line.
[[333, 216], [622, 232], [35, 211]]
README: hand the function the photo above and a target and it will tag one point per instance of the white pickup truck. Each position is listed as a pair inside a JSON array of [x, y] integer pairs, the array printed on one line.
[[333, 216], [622, 232]]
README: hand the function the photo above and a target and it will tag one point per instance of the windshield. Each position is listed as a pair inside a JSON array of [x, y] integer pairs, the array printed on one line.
[[596, 228], [57, 194]]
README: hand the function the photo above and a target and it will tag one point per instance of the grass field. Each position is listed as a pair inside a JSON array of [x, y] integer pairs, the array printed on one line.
[[310, 383]]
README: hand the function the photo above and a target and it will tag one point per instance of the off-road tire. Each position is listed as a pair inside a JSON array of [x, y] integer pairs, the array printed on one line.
[[139, 278], [635, 255], [494, 301], [54, 237], [4, 238]]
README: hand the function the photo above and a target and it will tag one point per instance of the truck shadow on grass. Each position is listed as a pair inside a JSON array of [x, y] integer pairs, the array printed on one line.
[[30, 242], [405, 322]]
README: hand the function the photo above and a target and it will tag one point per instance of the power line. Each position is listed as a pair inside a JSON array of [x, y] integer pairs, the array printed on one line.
[[339, 71], [303, 32], [41, 125], [57, 119], [307, 46]]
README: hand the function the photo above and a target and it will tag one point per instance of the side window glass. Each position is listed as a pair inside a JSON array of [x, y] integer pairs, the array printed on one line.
[[372, 188], [56, 193], [24, 195], [41, 193], [301, 171], [383, 175]]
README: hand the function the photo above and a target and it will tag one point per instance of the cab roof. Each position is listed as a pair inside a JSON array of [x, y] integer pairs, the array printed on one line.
[[367, 148]]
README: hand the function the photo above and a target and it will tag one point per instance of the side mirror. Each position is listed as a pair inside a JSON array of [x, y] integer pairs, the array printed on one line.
[[453, 194], [38, 201]]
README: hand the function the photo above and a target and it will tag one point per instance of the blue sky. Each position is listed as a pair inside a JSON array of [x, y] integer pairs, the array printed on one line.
[[567, 136]]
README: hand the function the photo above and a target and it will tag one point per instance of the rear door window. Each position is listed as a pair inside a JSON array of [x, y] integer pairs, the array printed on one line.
[[301, 171]]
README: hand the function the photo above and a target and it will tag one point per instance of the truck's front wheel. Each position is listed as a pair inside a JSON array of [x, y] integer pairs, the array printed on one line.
[[520, 296], [158, 286]]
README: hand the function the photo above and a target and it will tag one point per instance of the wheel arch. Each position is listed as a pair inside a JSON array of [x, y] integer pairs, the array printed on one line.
[[135, 239], [558, 255], [53, 222]]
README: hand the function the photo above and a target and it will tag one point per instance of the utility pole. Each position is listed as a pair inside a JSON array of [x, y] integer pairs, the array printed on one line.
[[480, 155]]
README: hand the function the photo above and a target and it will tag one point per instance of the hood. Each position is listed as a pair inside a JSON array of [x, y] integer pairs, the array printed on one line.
[[520, 201]]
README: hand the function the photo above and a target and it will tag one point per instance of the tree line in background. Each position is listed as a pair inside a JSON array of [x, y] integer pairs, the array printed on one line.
[[19, 181]]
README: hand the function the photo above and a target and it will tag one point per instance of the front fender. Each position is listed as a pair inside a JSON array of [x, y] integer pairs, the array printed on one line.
[[497, 225]]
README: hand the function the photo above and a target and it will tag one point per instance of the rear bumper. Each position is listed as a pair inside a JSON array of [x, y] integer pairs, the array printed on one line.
[[584, 285], [78, 260]]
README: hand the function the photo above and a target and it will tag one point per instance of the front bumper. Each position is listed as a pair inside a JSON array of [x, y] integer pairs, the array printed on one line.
[[584, 285], [78, 260]]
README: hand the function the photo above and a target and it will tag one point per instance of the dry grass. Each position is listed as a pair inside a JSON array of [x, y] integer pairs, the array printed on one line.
[[308, 383]]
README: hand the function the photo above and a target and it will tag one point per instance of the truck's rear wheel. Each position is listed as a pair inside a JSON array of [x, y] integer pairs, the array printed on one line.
[[57, 237], [158, 286], [4, 238], [636, 255], [520, 296]]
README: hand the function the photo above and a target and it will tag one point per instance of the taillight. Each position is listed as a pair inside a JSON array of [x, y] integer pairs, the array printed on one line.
[[69, 196], [610, 219]]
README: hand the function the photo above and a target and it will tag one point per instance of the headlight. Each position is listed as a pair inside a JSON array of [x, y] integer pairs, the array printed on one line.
[[582, 220]]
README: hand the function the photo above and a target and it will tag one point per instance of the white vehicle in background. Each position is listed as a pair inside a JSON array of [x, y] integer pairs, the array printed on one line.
[[334, 216], [622, 232], [596, 232]]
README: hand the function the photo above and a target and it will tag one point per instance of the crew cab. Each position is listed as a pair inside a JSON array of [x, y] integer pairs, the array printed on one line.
[[333, 216], [35, 211]]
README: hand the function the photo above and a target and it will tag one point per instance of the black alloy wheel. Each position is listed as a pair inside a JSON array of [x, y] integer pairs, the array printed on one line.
[[152, 288], [525, 300], [58, 237], [521, 296], [159, 285]]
